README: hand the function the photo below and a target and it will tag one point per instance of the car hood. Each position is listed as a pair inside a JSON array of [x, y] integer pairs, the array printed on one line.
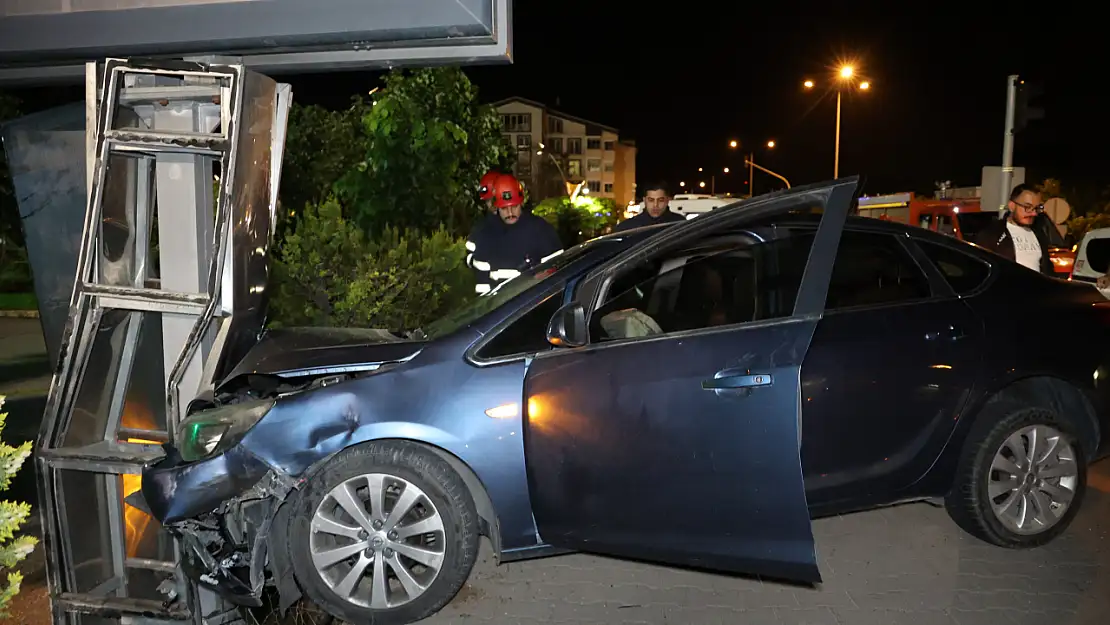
[[296, 352]]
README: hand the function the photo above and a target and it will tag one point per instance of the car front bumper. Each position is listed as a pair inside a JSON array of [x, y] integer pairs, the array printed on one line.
[[221, 510]]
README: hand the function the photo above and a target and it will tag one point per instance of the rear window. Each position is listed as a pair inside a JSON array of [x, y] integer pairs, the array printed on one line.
[[963, 272], [1098, 254]]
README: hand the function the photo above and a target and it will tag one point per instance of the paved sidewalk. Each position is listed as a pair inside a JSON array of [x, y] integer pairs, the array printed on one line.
[[906, 564]]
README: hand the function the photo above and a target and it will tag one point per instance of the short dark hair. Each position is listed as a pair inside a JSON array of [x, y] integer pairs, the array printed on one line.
[[657, 185], [1022, 188]]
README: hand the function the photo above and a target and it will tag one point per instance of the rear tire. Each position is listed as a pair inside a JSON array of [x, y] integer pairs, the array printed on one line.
[[1010, 495], [423, 552]]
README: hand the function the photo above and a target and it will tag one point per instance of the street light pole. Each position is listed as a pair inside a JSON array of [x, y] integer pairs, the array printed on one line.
[[770, 173], [836, 156], [751, 179]]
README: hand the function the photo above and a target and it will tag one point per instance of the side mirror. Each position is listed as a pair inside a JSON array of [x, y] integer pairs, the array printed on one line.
[[568, 327]]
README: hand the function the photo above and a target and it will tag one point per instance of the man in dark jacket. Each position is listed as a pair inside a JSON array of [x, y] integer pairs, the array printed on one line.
[[516, 242], [657, 209], [1021, 235]]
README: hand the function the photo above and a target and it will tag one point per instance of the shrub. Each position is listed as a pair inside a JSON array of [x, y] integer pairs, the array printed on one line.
[[12, 516], [580, 220], [328, 273]]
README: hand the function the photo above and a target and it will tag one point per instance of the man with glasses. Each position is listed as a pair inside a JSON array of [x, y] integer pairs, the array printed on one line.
[[1020, 235]]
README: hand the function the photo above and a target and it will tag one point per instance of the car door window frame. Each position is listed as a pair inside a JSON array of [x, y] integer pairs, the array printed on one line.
[[938, 286], [935, 273], [812, 290]]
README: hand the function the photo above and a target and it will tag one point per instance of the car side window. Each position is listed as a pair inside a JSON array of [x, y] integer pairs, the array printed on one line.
[[526, 335], [751, 278], [963, 272], [873, 269]]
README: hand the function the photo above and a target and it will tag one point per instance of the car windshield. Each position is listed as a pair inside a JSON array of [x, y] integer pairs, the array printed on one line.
[[509, 289]]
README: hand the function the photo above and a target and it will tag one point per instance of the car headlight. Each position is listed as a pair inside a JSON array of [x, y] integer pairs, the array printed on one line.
[[212, 431]]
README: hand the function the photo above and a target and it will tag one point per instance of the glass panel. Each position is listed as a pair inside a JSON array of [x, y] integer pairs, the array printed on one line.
[[138, 92], [86, 526], [127, 346], [46, 158], [125, 218]]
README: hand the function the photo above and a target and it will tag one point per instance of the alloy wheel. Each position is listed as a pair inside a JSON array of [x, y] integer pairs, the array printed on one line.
[[1032, 479], [377, 541]]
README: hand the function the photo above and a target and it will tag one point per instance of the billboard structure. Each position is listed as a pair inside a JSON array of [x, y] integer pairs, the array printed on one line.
[[142, 316], [51, 40]]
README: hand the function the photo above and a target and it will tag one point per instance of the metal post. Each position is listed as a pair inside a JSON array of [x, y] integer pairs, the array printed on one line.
[[836, 156], [751, 178], [712, 184], [1007, 177]]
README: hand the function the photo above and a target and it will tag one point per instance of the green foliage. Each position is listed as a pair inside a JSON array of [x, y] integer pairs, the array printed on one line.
[[428, 143], [578, 221], [10, 232], [1098, 217], [321, 146], [12, 515], [330, 274]]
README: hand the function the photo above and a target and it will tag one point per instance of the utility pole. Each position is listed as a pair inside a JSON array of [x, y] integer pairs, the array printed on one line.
[[836, 158], [751, 190], [713, 184], [1007, 176]]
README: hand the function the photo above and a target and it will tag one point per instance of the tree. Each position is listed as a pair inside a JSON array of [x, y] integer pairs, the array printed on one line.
[[321, 146], [12, 516], [580, 220], [428, 143], [10, 231]]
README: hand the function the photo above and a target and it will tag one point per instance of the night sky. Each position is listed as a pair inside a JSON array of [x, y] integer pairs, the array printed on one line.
[[684, 83]]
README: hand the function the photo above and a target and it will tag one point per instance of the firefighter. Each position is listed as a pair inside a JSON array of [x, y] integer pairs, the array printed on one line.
[[488, 219], [485, 189], [516, 242]]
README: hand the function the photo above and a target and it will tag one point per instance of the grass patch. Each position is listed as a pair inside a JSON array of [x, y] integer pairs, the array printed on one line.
[[18, 301]]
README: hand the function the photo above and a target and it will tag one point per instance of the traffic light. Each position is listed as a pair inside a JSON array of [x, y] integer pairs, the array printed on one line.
[[1026, 110]]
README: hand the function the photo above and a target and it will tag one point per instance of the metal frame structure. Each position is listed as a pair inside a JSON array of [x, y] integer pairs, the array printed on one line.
[[159, 130]]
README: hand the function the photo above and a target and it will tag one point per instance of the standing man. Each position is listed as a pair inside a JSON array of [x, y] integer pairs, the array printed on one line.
[[1015, 236], [516, 242], [485, 189], [489, 216], [657, 209]]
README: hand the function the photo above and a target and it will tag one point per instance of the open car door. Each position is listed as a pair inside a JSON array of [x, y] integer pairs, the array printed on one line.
[[667, 426]]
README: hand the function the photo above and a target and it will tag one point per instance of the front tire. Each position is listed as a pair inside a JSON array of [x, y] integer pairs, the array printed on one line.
[[1021, 479], [385, 533]]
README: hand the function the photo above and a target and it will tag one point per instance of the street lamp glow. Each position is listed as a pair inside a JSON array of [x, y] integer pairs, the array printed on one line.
[[847, 71], [700, 169], [865, 85], [726, 170], [702, 184], [771, 143], [682, 184], [733, 143], [808, 84]]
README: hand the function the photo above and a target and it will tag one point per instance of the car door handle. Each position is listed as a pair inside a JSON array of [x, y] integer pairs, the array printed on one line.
[[729, 381]]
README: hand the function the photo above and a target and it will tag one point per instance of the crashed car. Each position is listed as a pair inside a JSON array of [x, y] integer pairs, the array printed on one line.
[[689, 394]]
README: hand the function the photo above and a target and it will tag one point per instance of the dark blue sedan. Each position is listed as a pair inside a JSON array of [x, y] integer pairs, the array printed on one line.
[[689, 394]]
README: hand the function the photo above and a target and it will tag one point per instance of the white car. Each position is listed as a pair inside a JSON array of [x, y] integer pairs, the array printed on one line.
[[1092, 260]]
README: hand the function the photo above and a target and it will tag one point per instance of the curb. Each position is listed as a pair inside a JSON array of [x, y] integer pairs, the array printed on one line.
[[20, 314]]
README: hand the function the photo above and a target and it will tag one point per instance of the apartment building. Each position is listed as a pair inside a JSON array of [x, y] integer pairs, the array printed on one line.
[[554, 147]]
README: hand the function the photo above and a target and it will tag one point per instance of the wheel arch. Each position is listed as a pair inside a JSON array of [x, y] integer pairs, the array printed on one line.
[[1057, 394], [489, 525]]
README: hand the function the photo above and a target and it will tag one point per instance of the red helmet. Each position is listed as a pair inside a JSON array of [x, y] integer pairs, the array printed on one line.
[[507, 191], [485, 187]]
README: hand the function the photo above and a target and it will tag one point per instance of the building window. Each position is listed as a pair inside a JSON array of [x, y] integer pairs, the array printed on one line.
[[574, 146], [594, 185], [593, 144], [555, 125], [524, 142], [507, 138], [574, 168], [608, 187], [517, 122], [609, 146], [557, 145], [593, 165], [609, 166]]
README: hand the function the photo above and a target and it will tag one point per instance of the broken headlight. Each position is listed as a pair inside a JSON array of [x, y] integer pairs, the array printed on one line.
[[215, 430]]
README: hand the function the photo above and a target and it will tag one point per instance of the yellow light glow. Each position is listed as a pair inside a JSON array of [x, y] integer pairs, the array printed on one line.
[[726, 170], [534, 411], [808, 84], [702, 184], [865, 85], [504, 411], [733, 143], [700, 169], [682, 183], [940, 366], [847, 71], [771, 144]]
